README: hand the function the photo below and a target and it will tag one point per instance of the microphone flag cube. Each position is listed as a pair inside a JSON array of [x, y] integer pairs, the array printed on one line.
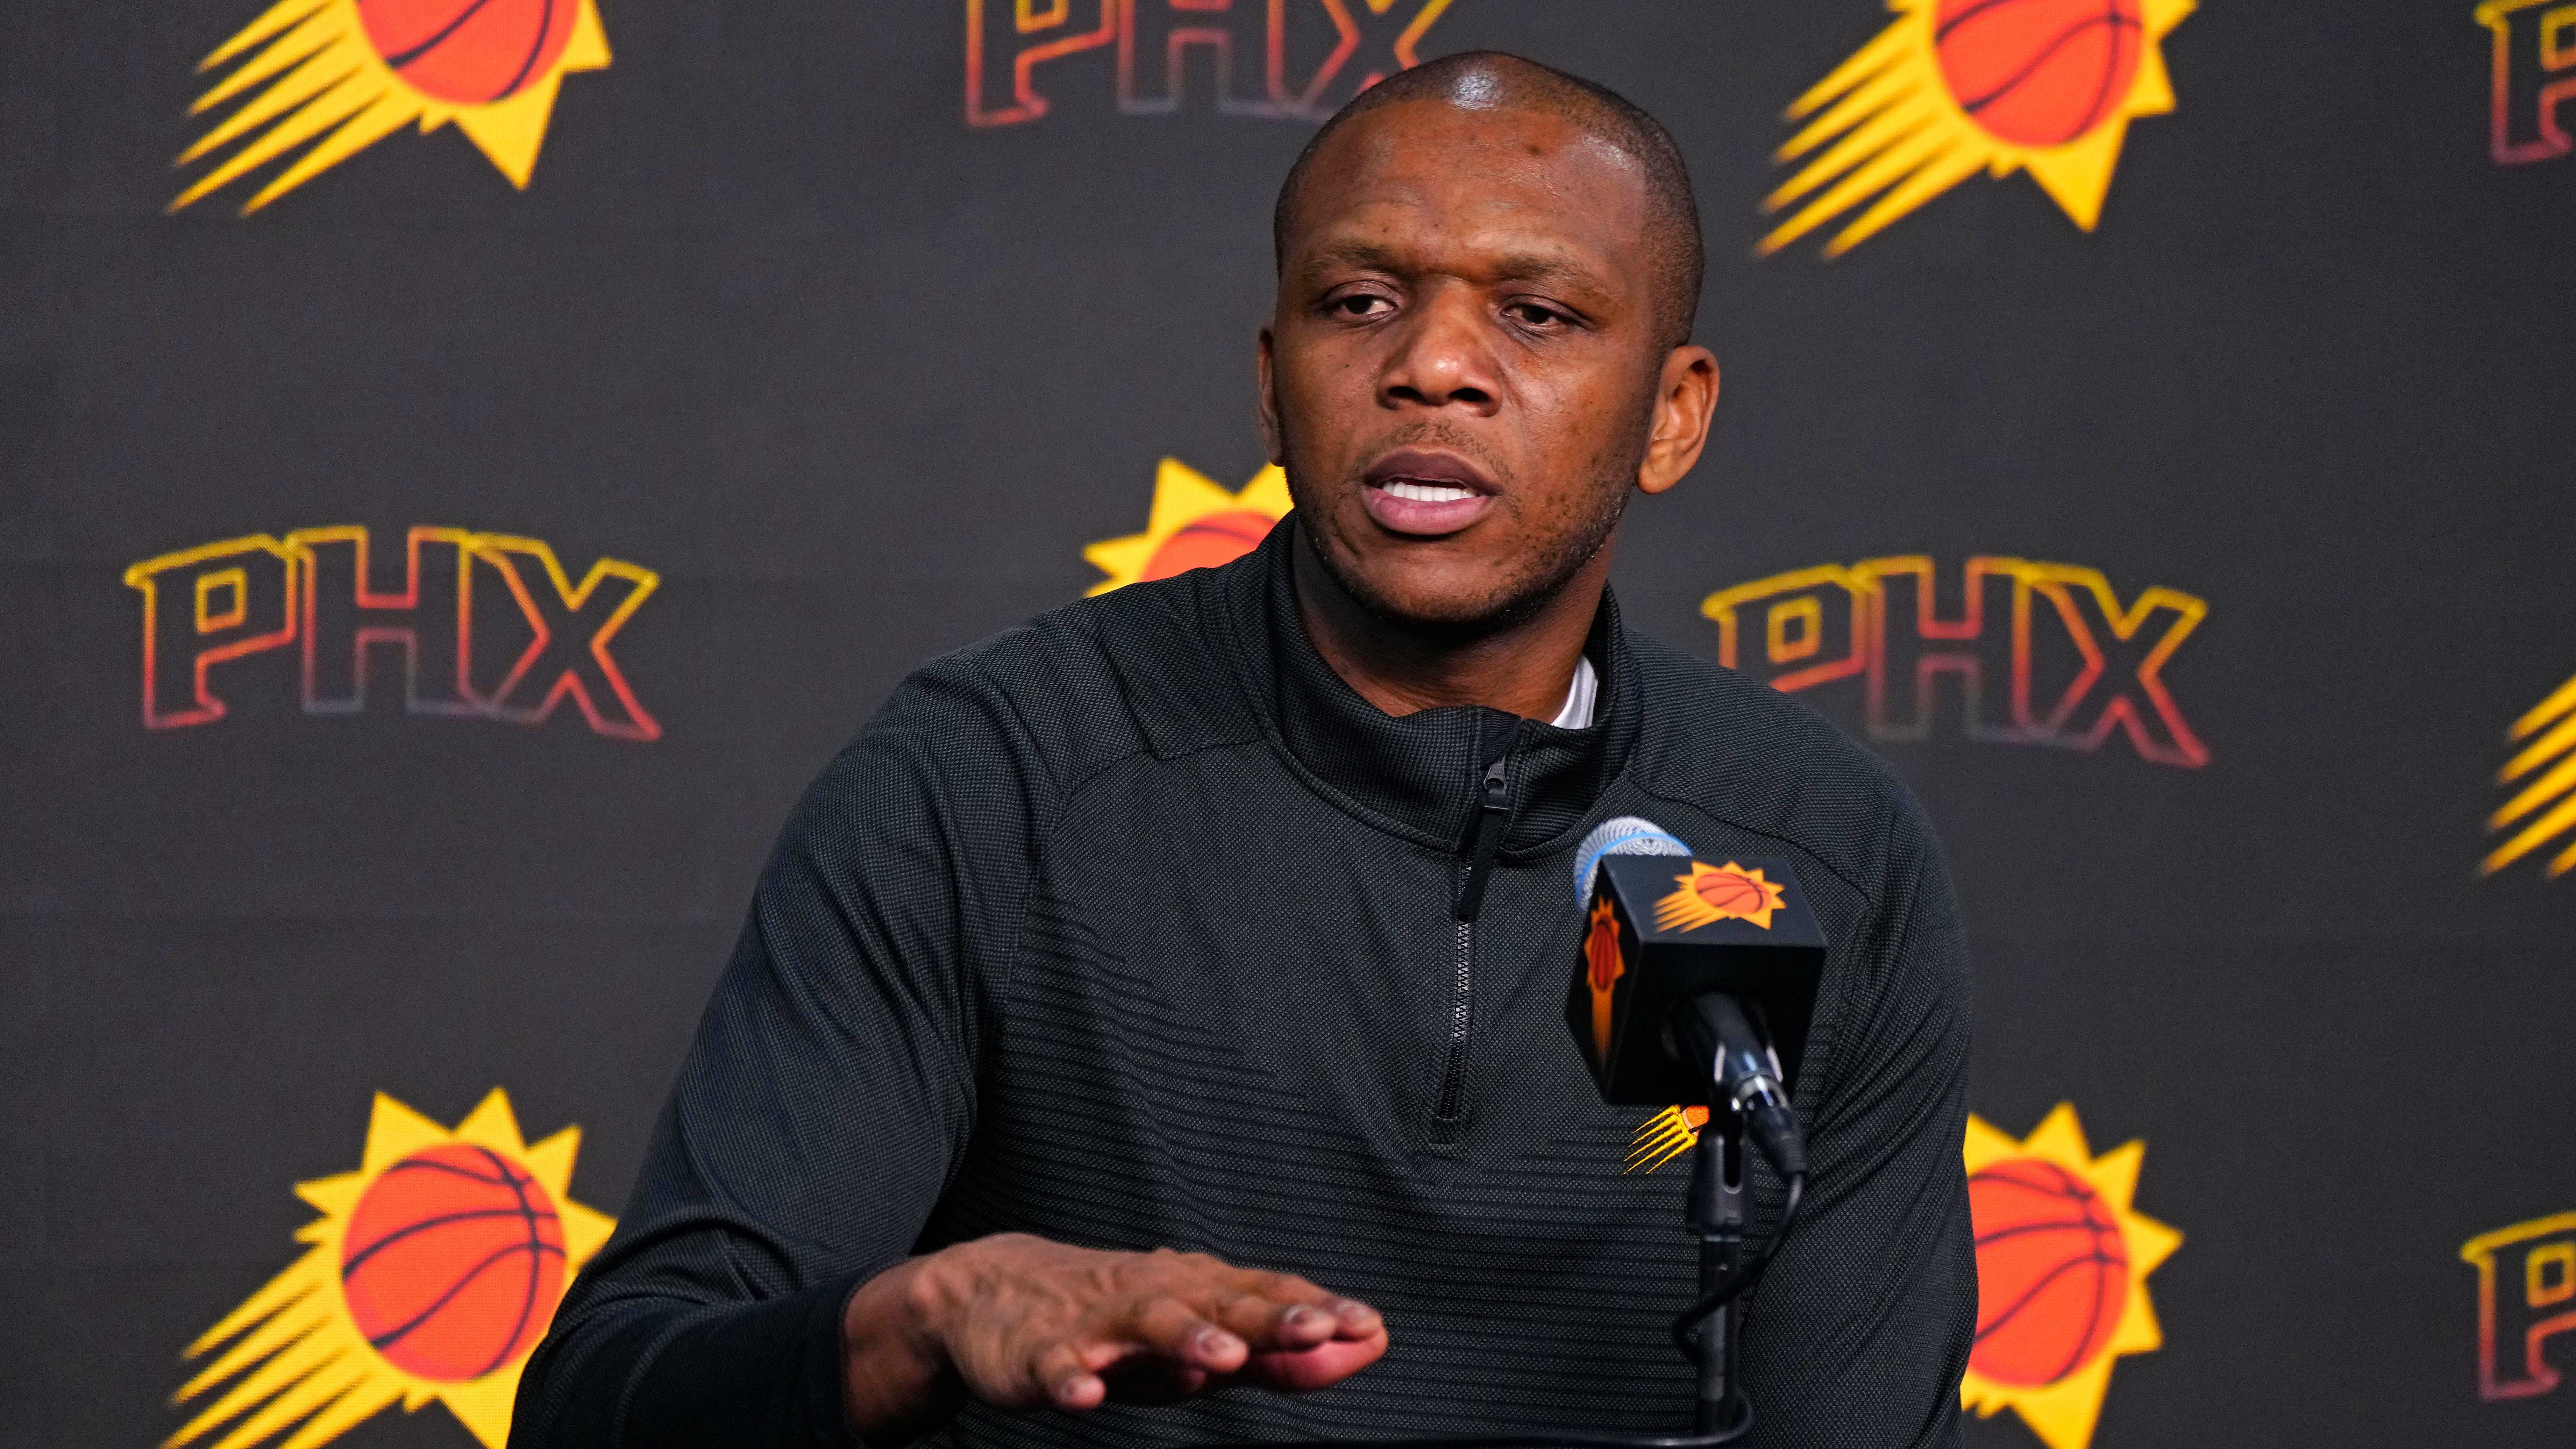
[[1659, 929]]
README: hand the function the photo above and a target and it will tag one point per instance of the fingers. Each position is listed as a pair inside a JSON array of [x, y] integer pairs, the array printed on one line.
[[1280, 1311], [1317, 1367], [1043, 1324], [1171, 1329]]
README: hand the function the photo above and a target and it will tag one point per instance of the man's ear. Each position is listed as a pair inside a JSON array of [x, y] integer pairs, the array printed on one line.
[[1269, 401], [1685, 405]]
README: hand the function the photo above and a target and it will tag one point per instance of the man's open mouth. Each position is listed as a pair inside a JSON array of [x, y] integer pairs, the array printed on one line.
[[1426, 493]]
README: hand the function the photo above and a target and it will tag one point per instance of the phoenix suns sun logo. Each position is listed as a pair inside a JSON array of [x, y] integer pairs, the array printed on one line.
[[1603, 965], [1955, 87], [1194, 524], [2062, 1265], [434, 1269], [353, 72], [1711, 893]]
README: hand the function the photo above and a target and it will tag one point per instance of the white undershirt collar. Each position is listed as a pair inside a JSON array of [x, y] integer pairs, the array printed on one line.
[[1579, 697]]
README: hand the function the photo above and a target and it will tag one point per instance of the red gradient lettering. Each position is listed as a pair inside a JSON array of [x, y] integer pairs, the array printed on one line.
[[202, 607], [2535, 74], [1290, 59], [218, 602], [2034, 653], [2526, 1297], [573, 625], [428, 620]]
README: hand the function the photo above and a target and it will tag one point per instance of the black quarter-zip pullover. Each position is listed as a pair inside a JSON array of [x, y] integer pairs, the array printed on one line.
[[1137, 927]]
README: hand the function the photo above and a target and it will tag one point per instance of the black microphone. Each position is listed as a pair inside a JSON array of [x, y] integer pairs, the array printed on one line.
[[1697, 980]]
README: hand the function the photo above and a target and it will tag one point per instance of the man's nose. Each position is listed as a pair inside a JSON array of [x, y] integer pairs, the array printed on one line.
[[1443, 356]]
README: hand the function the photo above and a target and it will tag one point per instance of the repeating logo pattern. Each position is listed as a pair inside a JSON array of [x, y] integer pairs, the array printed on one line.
[[2039, 653], [2526, 1298], [463, 651], [433, 1271], [337, 76], [2542, 775], [1955, 87], [2062, 1265]]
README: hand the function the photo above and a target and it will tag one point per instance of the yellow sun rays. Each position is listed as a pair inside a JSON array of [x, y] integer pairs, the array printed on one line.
[[2062, 1413], [1896, 134], [2553, 720], [324, 79], [1666, 1135], [1182, 496], [296, 1357]]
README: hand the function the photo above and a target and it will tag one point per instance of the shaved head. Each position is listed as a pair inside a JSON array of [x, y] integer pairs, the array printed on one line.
[[1490, 80]]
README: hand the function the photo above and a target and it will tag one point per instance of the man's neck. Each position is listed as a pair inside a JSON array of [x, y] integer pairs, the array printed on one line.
[[1525, 669]]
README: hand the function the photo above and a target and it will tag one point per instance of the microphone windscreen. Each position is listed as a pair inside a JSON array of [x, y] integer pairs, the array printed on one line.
[[1626, 835]]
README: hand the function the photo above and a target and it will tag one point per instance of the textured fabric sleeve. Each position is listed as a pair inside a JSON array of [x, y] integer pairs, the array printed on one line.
[[825, 1101], [1861, 1329]]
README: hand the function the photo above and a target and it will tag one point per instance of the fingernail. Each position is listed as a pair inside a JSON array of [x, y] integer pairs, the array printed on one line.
[[1300, 1316], [1212, 1340], [1351, 1310]]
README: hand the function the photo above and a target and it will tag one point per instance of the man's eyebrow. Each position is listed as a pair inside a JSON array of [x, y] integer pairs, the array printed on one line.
[[1514, 266]]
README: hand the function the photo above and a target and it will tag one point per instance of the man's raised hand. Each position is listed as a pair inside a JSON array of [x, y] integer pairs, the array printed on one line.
[[1024, 1323]]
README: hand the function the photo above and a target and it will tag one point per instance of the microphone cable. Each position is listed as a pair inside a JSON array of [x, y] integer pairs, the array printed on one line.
[[1686, 1328]]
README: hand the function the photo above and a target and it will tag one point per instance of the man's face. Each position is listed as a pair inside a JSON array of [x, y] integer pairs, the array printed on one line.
[[1461, 370]]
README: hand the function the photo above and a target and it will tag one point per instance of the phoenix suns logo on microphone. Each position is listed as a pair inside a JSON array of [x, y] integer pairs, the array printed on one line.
[[433, 1271], [352, 72], [1603, 964], [1955, 87], [1708, 894]]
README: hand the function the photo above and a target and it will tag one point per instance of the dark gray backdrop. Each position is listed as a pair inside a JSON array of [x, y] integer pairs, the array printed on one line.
[[860, 380]]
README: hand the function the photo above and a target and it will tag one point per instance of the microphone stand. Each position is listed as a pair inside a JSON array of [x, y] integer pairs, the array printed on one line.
[[1717, 1213]]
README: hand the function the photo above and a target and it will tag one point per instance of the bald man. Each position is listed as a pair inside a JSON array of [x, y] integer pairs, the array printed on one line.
[[1150, 1029]]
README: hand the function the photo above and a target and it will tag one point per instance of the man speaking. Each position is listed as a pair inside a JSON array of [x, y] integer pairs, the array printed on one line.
[[1151, 1029]]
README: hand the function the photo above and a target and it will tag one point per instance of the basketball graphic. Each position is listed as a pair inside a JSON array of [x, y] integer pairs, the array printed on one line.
[[469, 51], [1710, 894], [1204, 543], [2062, 1265], [2052, 1271], [319, 81], [433, 1272], [1194, 524], [1953, 88], [2037, 72], [452, 1263]]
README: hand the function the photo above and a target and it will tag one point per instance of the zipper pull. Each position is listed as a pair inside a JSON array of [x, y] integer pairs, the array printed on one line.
[[1495, 813]]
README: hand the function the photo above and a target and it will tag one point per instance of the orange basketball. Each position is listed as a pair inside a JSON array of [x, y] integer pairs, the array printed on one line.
[[2052, 1272], [452, 1263], [2038, 72], [1732, 893], [469, 51], [1219, 538]]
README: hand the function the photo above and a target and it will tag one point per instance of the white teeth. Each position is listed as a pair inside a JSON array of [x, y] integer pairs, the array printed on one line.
[[1429, 492]]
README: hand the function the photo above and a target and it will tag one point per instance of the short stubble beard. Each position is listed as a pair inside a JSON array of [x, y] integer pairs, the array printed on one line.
[[1513, 602]]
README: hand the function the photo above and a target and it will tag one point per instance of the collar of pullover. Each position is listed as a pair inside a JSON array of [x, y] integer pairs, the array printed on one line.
[[1418, 775]]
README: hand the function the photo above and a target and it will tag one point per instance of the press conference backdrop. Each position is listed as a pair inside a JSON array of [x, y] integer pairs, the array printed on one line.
[[470, 464]]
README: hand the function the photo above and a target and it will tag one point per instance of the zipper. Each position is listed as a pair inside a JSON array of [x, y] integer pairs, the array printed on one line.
[[1494, 812]]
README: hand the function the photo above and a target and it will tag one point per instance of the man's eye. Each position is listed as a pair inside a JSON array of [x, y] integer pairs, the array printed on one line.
[[1531, 314], [1359, 304]]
